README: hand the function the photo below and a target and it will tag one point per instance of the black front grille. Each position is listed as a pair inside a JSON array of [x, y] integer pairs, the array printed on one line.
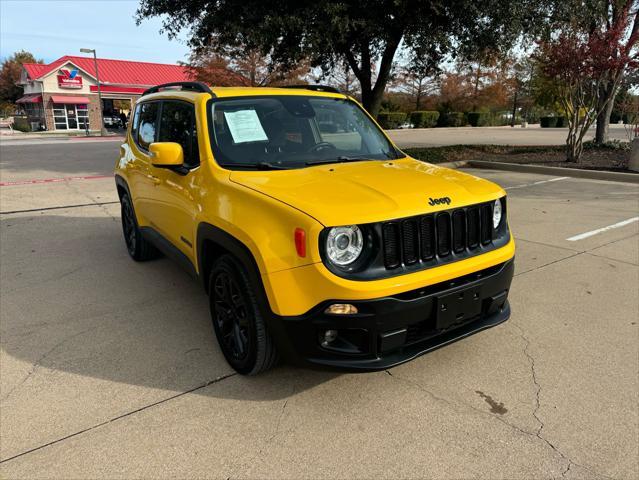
[[437, 237]]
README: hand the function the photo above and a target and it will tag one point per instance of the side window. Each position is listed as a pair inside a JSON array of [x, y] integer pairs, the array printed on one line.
[[177, 124], [147, 124], [136, 121]]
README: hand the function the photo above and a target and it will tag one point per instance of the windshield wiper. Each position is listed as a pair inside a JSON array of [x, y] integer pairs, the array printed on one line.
[[256, 166], [342, 159]]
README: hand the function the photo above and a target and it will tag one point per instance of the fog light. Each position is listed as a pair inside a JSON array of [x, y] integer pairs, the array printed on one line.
[[341, 309], [329, 337]]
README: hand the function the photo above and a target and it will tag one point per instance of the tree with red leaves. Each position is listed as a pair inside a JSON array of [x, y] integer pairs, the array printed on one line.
[[614, 13], [581, 63], [248, 70]]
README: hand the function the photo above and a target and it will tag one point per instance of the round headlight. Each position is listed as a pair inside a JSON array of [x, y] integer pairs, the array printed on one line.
[[344, 244], [496, 214]]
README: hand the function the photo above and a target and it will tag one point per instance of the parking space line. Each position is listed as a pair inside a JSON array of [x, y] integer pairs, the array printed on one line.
[[556, 179], [623, 223]]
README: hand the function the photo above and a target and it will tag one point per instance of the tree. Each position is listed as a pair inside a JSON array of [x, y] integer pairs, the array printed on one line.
[[214, 69], [250, 69], [10, 72], [261, 71], [617, 16], [342, 77], [362, 33], [578, 63], [416, 82]]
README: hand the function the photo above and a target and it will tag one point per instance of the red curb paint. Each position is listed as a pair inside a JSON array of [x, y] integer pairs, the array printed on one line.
[[52, 180]]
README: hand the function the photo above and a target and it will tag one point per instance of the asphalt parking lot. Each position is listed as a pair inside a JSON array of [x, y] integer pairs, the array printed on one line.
[[109, 368]]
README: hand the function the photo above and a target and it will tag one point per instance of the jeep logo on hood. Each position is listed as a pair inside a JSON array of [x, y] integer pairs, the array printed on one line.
[[438, 201]]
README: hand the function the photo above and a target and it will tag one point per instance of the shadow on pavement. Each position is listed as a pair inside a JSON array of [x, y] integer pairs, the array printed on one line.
[[74, 302]]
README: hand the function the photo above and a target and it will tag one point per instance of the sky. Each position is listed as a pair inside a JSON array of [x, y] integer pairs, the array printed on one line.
[[51, 28]]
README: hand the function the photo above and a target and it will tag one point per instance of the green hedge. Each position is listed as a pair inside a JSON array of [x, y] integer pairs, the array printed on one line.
[[562, 122], [21, 124], [451, 119], [391, 119], [479, 119], [548, 122], [424, 119]]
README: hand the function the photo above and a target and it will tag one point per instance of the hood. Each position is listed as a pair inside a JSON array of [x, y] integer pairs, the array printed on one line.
[[370, 191]]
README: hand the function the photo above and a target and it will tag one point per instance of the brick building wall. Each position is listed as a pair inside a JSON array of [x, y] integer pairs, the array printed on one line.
[[94, 110]]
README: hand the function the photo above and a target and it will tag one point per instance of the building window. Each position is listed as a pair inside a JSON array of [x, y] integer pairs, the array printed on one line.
[[60, 116], [68, 116], [83, 116]]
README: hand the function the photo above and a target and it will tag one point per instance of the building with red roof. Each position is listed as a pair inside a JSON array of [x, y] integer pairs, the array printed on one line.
[[63, 95]]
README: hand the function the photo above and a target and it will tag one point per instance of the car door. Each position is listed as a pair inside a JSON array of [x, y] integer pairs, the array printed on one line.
[[142, 183], [173, 206]]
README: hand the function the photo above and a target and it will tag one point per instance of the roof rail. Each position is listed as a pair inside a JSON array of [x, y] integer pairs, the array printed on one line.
[[317, 88], [191, 86]]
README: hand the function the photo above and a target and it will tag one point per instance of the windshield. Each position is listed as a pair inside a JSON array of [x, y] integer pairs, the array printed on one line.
[[293, 132]]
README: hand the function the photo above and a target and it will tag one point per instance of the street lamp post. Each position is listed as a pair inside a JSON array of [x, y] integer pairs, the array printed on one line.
[[103, 131]]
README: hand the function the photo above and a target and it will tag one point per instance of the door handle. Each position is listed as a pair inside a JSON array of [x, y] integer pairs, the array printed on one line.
[[156, 181]]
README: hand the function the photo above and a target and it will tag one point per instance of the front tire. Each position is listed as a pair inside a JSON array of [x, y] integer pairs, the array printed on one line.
[[138, 247], [237, 321]]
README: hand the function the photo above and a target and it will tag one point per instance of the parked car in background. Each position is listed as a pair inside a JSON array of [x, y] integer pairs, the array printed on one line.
[[113, 121]]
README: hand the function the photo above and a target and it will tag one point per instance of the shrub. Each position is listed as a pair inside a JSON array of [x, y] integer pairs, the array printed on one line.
[[389, 120], [562, 122], [548, 122], [451, 119], [479, 119], [424, 119], [21, 124]]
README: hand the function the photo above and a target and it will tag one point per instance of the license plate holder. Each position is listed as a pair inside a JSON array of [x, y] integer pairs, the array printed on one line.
[[458, 307]]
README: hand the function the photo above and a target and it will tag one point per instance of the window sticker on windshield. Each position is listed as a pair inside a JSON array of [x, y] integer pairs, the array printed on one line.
[[245, 126]]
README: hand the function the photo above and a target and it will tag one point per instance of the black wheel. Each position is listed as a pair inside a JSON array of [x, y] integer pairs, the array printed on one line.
[[139, 248], [238, 323]]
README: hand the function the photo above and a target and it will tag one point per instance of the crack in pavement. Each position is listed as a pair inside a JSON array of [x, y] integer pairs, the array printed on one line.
[[272, 437], [37, 363], [535, 412], [467, 405], [534, 435], [120, 417]]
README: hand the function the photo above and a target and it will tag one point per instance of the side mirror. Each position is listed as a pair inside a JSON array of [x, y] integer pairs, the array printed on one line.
[[166, 155]]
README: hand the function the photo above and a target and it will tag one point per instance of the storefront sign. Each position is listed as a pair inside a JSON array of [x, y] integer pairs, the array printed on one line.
[[69, 79]]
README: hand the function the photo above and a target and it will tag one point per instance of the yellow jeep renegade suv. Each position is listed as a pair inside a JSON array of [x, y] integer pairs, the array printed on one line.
[[315, 237]]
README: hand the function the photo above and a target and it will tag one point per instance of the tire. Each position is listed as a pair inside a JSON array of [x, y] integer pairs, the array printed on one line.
[[237, 320], [138, 247]]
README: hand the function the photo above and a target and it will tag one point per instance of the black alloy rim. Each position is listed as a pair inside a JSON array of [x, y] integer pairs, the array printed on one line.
[[231, 316], [128, 225]]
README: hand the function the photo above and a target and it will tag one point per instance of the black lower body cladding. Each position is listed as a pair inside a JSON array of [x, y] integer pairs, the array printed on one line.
[[392, 330]]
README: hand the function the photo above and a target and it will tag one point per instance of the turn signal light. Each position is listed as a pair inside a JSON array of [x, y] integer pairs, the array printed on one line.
[[341, 309], [300, 242]]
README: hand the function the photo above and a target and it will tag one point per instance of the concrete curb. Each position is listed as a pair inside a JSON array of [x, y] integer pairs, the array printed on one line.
[[458, 164], [557, 171]]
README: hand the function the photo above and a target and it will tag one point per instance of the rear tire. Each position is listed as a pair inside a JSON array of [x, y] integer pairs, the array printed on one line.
[[138, 247], [237, 320]]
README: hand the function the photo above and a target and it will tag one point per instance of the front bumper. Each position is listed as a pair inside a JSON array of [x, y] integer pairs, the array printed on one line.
[[395, 329]]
